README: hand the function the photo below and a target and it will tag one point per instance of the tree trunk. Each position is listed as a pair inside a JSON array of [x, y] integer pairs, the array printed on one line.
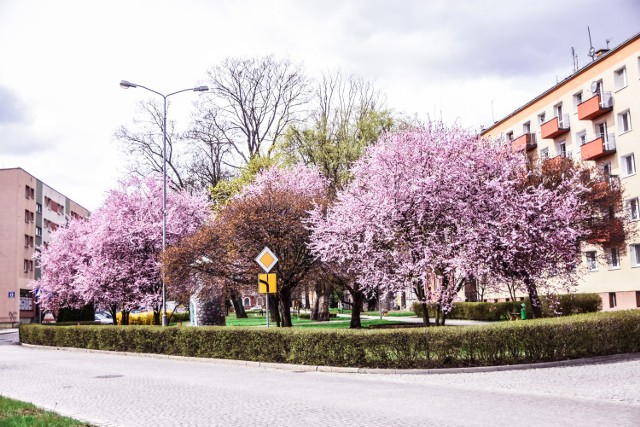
[[125, 317], [274, 309], [356, 308], [419, 291], [237, 305], [536, 305], [210, 308], [307, 303], [314, 310], [114, 311], [285, 306]]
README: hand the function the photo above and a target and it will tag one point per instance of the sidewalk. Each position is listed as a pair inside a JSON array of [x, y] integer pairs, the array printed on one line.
[[8, 331], [413, 319]]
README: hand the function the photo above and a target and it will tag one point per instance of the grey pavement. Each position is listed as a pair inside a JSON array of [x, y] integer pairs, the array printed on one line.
[[8, 336], [414, 319], [133, 390]]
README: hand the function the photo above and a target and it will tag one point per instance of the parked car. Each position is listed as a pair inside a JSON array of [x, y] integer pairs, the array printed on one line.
[[103, 317]]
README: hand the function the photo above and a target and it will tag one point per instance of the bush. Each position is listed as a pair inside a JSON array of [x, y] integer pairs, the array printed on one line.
[[491, 311], [85, 314], [146, 318], [570, 337]]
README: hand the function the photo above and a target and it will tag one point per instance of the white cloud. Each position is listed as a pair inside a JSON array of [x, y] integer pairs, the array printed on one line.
[[62, 61]]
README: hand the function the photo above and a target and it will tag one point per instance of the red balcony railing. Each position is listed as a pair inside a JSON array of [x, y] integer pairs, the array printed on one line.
[[555, 127], [599, 147], [526, 141], [595, 106]]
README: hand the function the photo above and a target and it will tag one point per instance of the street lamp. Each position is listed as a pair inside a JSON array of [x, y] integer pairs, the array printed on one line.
[[126, 85]]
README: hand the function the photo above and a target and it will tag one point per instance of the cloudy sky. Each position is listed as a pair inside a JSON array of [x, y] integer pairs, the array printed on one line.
[[465, 61]]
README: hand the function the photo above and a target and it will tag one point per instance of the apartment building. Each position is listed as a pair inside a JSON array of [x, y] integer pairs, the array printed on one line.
[[30, 211], [590, 116]]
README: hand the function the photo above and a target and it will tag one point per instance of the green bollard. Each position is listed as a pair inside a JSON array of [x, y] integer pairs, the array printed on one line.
[[523, 311]]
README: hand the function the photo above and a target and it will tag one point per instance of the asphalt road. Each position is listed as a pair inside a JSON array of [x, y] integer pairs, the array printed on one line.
[[8, 336], [125, 390]]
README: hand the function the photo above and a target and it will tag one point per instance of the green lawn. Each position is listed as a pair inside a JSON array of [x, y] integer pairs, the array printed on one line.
[[391, 313], [14, 413], [333, 323]]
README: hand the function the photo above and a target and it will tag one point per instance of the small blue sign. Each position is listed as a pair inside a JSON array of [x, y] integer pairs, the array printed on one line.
[[12, 294]]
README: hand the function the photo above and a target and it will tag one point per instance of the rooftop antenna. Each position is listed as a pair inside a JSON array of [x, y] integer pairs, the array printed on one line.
[[574, 56], [592, 50]]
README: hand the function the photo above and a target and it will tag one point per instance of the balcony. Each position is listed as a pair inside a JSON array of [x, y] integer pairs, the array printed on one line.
[[601, 146], [555, 127], [526, 141], [607, 232], [595, 106]]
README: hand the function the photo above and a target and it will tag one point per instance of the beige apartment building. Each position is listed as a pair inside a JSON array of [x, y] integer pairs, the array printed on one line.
[[590, 115], [30, 211]]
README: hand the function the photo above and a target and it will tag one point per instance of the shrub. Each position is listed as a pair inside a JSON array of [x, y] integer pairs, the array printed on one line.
[[146, 318], [570, 337], [491, 311], [86, 313]]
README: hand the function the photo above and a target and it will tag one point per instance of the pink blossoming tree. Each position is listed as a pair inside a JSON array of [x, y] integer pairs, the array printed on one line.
[[432, 207], [116, 253]]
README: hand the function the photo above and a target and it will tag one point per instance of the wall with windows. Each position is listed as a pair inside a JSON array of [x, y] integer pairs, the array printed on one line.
[[29, 211], [594, 116]]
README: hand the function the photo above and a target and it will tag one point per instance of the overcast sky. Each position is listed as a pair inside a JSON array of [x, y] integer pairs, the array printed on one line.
[[465, 61]]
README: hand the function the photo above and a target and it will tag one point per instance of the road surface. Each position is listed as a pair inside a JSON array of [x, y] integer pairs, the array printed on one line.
[[131, 390]]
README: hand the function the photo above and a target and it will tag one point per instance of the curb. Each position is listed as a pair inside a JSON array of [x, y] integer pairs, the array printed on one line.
[[352, 370]]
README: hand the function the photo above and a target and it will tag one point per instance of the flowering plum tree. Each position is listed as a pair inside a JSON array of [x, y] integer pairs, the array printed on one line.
[[116, 252], [268, 212], [433, 206]]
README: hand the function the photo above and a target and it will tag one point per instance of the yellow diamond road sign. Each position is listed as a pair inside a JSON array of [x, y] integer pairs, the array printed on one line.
[[266, 259]]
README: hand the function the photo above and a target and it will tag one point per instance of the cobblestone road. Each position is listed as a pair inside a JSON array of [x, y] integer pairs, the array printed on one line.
[[119, 390]]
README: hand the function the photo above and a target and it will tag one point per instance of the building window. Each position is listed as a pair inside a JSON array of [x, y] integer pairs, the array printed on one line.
[[38, 208], [25, 265], [28, 216], [30, 240], [633, 209], [613, 258], [624, 121], [612, 300], [246, 302], [38, 231], [526, 128], [26, 241], [577, 100], [581, 138], [558, 111], [509, 136], [544, 153], [541, 118], [635, 255], [620, 78], [628, 164], [592, 263]]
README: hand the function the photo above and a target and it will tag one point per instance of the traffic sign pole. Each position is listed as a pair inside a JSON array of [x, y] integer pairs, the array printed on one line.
[[266, 259], [267, 298]]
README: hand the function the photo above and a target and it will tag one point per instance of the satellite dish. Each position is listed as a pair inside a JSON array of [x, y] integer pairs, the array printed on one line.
[[595, 85]]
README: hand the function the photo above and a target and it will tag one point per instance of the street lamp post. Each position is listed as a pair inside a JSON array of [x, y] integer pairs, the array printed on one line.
[[126, 85]]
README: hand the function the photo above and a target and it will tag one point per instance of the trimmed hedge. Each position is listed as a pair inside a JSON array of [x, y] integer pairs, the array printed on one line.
[[504, 343], [569, 304]]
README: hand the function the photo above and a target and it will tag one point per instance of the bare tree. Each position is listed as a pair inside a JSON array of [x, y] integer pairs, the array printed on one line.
[[252, 102], [143, 145], [349, 114]]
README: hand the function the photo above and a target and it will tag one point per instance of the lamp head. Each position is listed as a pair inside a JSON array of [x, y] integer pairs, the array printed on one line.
[[126, 85], [201, 89]]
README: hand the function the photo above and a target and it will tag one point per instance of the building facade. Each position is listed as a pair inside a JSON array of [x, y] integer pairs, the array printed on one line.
[[30, 211], [590, 116]]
